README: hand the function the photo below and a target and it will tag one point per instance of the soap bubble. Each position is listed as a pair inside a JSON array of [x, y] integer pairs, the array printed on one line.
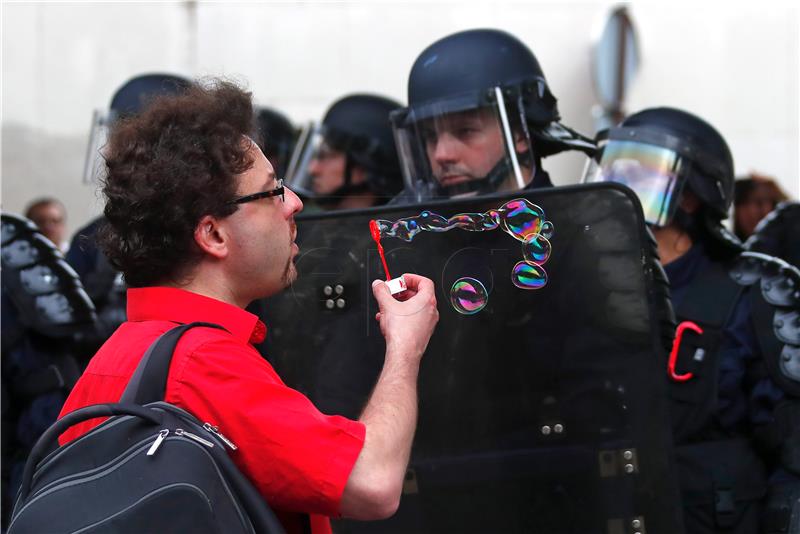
[[521, 218], [536, 249], [528, 276], [468, 296], [547, 229]]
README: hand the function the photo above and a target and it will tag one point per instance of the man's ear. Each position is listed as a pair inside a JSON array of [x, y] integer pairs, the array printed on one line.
[[520, 142], [211, 237], [358, 175]]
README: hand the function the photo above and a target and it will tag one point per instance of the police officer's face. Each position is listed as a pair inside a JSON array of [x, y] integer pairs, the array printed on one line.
[[327, 168], [464, 146]]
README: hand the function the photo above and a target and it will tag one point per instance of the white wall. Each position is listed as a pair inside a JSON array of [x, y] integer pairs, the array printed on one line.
[[735, 64]]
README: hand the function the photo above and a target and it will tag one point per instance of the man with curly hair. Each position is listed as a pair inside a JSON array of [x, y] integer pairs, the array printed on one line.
[[200, 226]]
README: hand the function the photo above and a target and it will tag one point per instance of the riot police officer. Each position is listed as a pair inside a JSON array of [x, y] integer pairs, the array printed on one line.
[[103, 283], [350, 161], [723, 376], [480, 118]]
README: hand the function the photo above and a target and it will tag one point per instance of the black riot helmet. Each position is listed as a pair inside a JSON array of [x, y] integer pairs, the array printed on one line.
[[275, 137], [128, 100], [358, 126], [492, 72], [134, 94], [659, 151]]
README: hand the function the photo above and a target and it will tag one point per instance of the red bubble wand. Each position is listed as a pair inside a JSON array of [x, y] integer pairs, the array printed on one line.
[[376, 235], [395, 285]]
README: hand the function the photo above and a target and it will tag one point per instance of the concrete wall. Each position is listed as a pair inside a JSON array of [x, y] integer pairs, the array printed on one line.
[[735, 64]]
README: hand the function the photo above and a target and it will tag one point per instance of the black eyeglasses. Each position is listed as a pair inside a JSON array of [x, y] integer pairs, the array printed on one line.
[[277, 192]]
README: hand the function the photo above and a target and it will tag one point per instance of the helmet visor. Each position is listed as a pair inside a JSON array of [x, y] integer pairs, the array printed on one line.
[[94, 164], [653, 172], [460, 146], [321, 161], [298, 178]]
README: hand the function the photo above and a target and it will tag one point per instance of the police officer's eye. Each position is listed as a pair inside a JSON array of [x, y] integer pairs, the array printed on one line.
[[429, 135]]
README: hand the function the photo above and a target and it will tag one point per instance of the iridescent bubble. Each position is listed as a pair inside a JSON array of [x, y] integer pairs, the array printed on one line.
[[547, 229], [468, 296], [433, 222], [528, 276], [465, 220], [521, 218], [491, 220], [536, 249]]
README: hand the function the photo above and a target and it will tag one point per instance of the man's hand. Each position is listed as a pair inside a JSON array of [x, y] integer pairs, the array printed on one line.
[[407, 319], [390, 416]]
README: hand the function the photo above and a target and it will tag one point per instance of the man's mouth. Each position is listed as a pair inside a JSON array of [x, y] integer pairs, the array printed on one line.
[[453, 179]]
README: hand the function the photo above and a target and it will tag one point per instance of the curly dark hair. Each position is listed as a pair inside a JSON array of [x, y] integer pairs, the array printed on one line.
[[167, 168]]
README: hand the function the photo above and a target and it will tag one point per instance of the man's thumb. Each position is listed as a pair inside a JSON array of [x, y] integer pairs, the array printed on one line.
[[380, 290]]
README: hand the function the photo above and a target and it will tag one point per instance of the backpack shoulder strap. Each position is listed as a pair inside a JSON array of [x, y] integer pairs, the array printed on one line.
[[149, 381]]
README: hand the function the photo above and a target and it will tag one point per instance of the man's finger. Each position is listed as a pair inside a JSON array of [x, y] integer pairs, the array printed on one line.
[[381, 292], [405, 295], [416, 283]]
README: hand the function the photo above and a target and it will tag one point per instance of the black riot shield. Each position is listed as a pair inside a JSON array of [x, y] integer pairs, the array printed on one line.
[[542, 392]]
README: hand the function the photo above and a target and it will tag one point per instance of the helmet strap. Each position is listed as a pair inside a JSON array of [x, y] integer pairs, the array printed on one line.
[[487, 184]]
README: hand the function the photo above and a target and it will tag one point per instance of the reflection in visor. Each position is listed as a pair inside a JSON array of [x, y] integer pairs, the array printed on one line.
[[651, 171]]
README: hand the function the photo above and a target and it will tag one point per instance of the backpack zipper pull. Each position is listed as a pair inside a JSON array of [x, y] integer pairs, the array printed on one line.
[[215, 430], [157, 443], [194, 437]]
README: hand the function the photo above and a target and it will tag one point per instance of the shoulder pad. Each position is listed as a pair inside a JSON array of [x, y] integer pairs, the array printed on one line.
[[790, 360], [13, 226], [44, 289], [777, 233], [783, 211], [776, 293], [780, 281]]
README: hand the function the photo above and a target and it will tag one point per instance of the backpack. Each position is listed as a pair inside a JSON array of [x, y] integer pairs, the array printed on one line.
[[150, 467]]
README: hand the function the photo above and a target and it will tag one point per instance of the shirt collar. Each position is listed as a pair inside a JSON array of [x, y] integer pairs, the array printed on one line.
[[179, 305]]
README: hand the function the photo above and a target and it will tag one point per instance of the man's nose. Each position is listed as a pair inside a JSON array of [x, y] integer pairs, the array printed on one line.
[[293, 201], [446, 148]]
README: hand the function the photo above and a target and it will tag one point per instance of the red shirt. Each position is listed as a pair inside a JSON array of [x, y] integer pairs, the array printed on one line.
[[298, 458]]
